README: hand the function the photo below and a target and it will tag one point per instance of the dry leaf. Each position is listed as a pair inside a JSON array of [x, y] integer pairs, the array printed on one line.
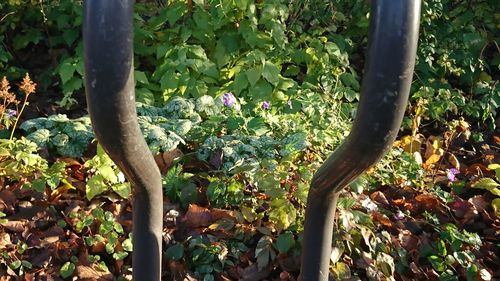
[[197, 216], [93, 272], [454, 161], [379, 197]]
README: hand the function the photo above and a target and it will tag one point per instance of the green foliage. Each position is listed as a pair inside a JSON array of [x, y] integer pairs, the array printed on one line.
[[53, 26], [457, 58], [105, 175], [179, 187], [19, 159], [52, 177], [69, 137]]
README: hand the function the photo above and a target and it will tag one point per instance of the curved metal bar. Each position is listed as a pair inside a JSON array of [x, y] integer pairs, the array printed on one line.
[[109, 83], [385, 88]]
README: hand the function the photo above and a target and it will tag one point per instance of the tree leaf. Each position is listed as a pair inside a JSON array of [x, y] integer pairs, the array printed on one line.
[[271, 73], [253, 75], [66, 71], [175, 252], [285, 242]]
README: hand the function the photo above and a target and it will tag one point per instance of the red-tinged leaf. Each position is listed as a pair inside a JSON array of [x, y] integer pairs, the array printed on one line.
[[381, 218], [197, 216], [477, 170], [427, 202], [460, 207], [409, 241], [7, 200], [379, 197]]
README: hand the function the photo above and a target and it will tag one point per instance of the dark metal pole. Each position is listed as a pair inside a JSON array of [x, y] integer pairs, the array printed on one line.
[[386, 84], [109, 83]]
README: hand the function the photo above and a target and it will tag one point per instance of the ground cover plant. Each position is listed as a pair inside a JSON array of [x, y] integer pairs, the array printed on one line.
[[240, 101]]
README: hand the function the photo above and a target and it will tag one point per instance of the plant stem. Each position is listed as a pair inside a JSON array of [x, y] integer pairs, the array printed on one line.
[[18, 116]]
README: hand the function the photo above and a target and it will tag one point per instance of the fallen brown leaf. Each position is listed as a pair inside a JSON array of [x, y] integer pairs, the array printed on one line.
[[197, 216], [93, 272]]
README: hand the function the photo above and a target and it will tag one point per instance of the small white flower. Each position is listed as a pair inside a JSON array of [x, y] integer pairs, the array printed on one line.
[[368, 204], [121, 177]]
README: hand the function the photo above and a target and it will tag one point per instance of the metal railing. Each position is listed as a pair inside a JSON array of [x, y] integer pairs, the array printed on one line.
[[109, 82]]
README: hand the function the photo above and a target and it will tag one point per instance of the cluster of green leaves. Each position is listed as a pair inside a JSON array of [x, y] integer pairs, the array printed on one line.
[[453, 251], [105, 175], [60, 134], [49, 26], [458, 60], [207, 255], [19, 159], [109, 236]]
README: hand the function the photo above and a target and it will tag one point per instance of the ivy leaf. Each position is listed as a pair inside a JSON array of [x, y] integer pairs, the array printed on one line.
[[67, 269]]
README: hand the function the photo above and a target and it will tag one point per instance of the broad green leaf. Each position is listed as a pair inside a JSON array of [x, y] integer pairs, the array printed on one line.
[[285, 242], [241, 4], [258, 126], [271, 73], [120, 255], [127, 245], [253, 75], [175, 12], [437, 263], [66, 71], [108, 173], [489, 184], [240, 83], [122, 189], [38, 185], [95, 186], [15, 264], [472, 272], [175, 252], [264, 252], [342, 271], [141, 77]]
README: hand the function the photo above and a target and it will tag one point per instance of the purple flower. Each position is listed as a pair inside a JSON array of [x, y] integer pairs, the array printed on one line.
[[399, 215], [290, 104], [229, 99], [451, 174], [265, 105], [10, 113]]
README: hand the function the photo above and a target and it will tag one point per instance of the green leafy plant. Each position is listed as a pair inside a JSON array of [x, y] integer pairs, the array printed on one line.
[[19, 159], [57, 132], [105, 176]]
